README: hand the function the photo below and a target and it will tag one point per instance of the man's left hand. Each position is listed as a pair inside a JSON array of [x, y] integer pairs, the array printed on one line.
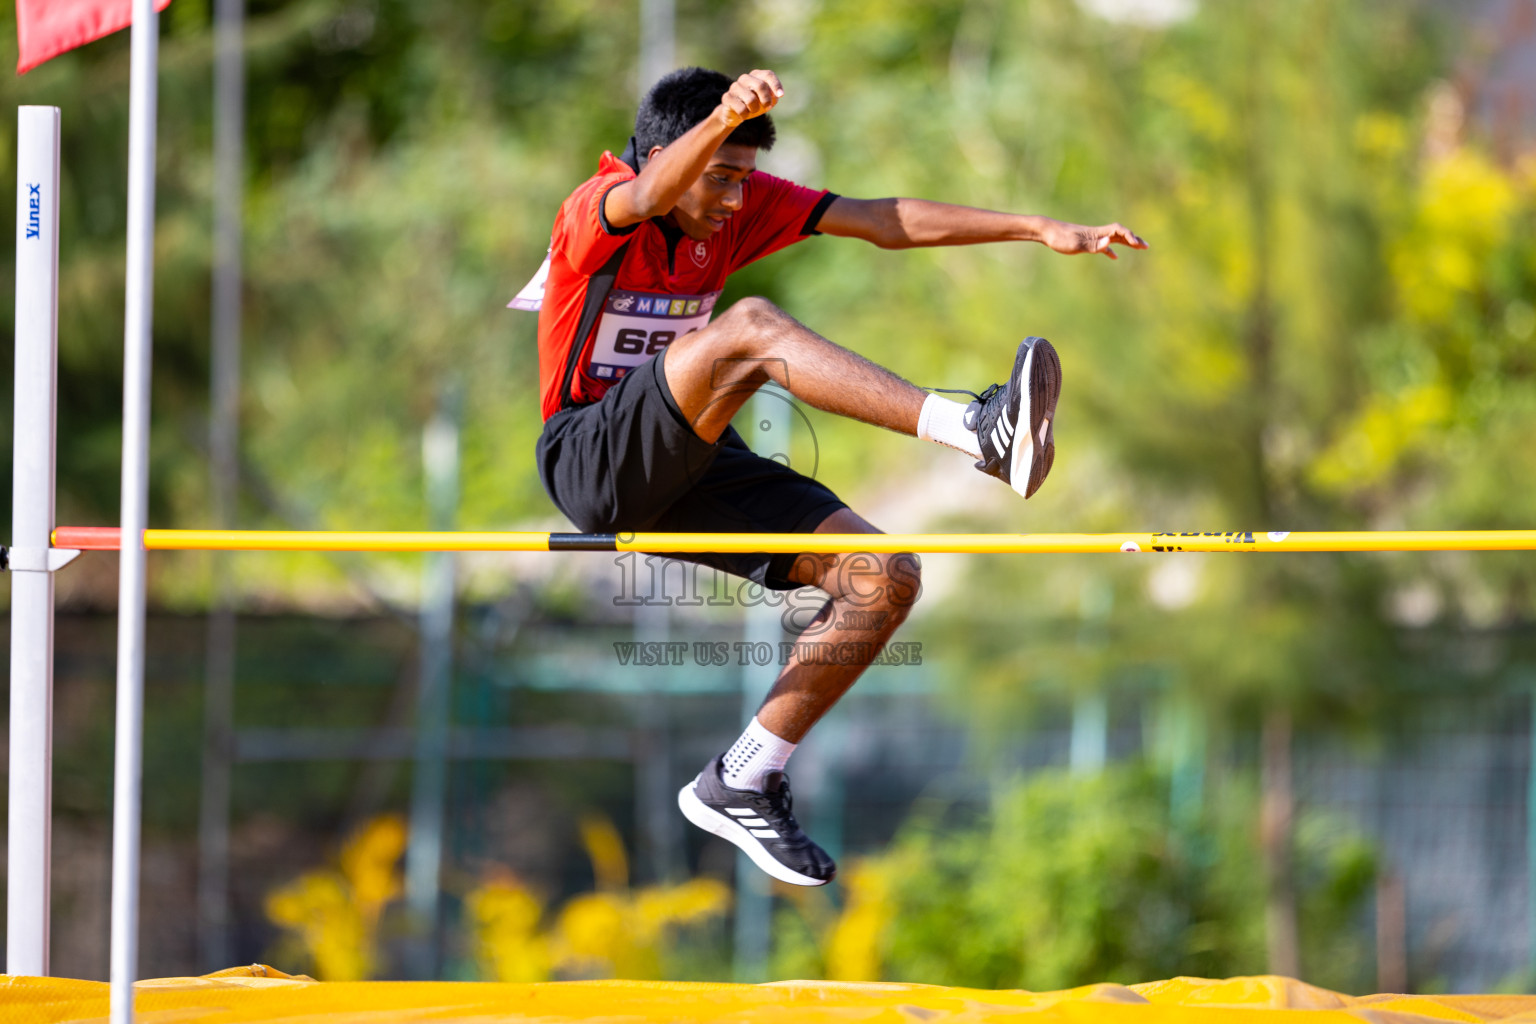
[[1071, 239]]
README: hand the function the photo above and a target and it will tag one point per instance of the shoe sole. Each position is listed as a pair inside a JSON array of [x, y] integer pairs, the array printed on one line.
[[712, 821], [1042, 372]]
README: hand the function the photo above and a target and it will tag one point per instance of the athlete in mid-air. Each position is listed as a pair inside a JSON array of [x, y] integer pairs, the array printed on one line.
[[639, 381]]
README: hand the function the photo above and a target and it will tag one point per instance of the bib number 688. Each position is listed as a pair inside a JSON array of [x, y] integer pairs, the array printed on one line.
[[633, 341]]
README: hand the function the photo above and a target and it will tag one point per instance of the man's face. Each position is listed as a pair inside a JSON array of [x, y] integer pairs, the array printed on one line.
[[716, 196]]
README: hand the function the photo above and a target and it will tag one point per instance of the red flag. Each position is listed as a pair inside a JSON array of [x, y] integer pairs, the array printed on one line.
[[47, 28]]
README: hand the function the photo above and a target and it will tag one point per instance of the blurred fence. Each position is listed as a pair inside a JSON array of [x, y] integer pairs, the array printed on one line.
[[1444, 788]]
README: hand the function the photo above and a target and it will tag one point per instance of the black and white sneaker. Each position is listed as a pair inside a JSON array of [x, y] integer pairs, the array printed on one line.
[[759, 823], [1015, 457]]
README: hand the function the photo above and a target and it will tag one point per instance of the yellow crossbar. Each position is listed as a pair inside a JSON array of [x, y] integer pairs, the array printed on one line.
[[93, 538]]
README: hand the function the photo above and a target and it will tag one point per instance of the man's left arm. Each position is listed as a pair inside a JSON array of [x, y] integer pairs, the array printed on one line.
[[913, 223]]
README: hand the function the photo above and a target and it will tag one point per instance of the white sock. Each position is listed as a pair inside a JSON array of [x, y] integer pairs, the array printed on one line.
[[943, 422], [747, 764]]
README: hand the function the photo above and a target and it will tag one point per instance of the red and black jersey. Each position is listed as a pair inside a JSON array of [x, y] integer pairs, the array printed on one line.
[[666, 285]]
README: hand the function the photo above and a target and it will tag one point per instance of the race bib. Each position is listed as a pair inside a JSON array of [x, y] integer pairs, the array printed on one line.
[[637, 325]]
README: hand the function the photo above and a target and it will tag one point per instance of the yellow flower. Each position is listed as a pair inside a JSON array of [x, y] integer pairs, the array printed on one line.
[[610, 866], [592, 933], [1467, 208], [853, 949], [658, 908], [319, 909], [503, 918], [335, 914], [369, 862], [1375, 441]]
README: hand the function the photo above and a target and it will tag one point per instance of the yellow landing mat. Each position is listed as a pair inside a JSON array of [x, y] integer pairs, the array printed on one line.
[[260, 993]]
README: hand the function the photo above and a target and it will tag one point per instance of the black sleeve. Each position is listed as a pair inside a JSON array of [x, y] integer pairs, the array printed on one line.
[[609, 229], [809, 228]]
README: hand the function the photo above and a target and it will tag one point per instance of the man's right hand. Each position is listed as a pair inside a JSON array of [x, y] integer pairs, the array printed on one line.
[[751, 95]]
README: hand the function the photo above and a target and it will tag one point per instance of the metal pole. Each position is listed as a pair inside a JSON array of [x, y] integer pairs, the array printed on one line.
[[1090, 711], [429, 784], [37, 305], [657, 41], [754, 893], [656, 814], [1089, 748], [135, 509], [1277, 814], [1530, 848], [1182, 725], [825, 769], [223, 435], [773, 416]]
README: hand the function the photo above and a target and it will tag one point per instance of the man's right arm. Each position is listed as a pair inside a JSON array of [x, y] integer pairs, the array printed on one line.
[[671, 171]]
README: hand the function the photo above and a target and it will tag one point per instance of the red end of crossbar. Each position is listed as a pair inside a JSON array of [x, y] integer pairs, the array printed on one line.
[[88, 538]]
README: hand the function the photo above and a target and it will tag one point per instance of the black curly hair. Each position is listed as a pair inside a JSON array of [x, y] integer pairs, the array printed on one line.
[[684, 98]]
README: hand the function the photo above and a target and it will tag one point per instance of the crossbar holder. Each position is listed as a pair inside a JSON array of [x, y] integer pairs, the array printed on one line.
[[36, 559]]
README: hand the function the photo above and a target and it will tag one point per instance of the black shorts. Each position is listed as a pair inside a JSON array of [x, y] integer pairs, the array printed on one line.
[[632, 462]]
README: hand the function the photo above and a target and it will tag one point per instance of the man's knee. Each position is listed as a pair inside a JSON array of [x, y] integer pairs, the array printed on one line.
[[753, 314], [903, 583], [884, 585], [737, 338]]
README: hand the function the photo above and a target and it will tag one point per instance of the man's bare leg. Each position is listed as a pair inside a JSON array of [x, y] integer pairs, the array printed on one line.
[[871, 596], [712, 372]]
